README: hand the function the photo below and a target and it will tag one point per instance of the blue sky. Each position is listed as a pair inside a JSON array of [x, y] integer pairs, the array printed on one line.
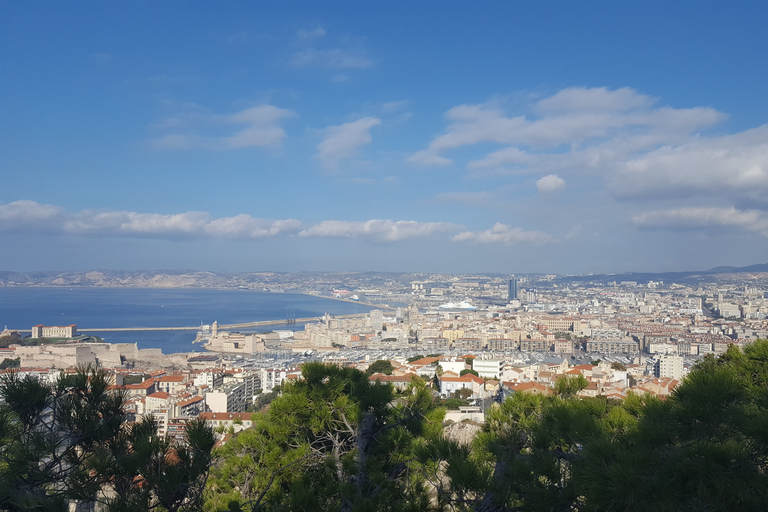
[[556, 137]]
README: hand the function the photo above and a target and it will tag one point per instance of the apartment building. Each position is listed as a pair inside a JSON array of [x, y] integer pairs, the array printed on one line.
[[490, 368], [534, 345], [230, 398], [613, 346], [670, 366]]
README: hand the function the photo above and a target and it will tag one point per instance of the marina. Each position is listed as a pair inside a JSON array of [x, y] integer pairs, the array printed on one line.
[[167, 319]]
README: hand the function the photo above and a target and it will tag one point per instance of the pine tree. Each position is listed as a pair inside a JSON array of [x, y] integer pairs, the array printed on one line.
[[68, 442], [332, 441]]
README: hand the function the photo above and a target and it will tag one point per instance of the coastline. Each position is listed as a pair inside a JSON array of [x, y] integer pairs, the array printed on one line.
[[167, 317], [221, 288]]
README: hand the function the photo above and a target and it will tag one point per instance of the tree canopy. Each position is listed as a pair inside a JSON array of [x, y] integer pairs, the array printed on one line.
[[704, 448], [335, 441], [380, 366], [332, 441], [69, 442]]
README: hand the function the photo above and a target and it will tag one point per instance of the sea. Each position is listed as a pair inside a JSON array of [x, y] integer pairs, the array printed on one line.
[[93, 308]]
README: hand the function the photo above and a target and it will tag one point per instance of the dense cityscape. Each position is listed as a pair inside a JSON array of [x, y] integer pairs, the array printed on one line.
[[296, 256], [513, 331], [473, 343]]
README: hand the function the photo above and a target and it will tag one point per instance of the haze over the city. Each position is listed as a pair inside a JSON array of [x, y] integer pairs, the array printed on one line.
[[557, 137]]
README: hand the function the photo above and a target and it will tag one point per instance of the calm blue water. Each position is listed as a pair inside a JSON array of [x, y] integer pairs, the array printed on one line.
[[21, 308]]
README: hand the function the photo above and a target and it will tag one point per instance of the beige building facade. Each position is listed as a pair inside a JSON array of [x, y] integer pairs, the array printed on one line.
[[54, 331]]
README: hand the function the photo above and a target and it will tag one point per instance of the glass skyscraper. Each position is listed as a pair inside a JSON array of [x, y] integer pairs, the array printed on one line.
[[512, 289]]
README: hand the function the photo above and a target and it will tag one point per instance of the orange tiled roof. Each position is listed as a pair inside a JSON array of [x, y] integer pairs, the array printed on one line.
[[171, 378], [189, 401], [141, 385]]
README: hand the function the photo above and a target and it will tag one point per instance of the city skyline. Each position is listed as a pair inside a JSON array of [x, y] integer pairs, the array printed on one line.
[[505, 137]]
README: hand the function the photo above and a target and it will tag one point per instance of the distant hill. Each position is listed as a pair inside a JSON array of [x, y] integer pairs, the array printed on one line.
[[760, 267], [128, 279], [320, 280], [273, 281], [671, 277]]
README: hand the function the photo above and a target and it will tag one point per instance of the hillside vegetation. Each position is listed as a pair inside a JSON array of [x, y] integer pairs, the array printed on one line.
[[335, 441]]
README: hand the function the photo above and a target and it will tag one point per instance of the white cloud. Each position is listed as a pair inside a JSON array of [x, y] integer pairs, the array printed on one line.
[[259, 127], [574, 129], [428, 158], [732, 163], [704, 219], [634, 147], [596, 99], [380, 230], [245, 226], [550, 183], [33, 217], [503, 157], [27, 211], [470, 124], [341, 141], [503, 234], [132, 223], [25, 215]]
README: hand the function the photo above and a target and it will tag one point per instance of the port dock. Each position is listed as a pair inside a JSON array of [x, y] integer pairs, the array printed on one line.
[[262, 323]]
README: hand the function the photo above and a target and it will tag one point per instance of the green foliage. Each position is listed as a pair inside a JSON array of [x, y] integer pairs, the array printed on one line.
[[335, 441], [146, 471], [30, 342], [51, 434], [380, 366], [263, 399], [453, 403], [570, 385], [67, 441], [10, 363], [10, 339], [331, 441], [414, 358], [456, 401], [463, 393], [469, 370], [704, 448]]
